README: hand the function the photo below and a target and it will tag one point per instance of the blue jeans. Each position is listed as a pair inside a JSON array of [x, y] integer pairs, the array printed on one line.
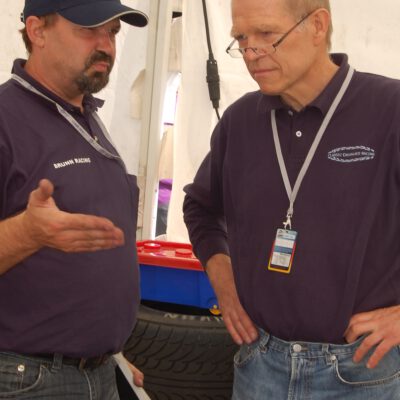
[[31, 378], [273, 369]]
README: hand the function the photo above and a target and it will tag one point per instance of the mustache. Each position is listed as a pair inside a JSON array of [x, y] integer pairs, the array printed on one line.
[[99, 56]]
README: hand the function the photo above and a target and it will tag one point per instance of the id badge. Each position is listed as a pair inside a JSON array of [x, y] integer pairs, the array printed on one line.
[[283, 251]]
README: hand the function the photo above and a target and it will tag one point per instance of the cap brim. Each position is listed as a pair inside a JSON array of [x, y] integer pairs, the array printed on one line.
[[91, 16]]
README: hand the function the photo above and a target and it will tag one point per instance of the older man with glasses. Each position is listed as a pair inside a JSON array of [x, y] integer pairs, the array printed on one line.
[[295, 213]]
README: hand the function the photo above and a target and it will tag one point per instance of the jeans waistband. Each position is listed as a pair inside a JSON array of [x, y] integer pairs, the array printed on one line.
[[57, 360], [306, 349], [80, 363]]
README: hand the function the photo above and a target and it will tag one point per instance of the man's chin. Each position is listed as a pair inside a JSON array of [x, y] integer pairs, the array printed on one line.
[[93, 83], [100, 82]]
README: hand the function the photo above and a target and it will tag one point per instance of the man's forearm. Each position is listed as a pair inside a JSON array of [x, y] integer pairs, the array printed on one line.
[[219, 271], [237, 321], [15, 245]]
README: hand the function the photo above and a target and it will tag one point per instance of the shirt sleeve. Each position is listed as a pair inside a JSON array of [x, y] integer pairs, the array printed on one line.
[[203, 208], [4, 171]]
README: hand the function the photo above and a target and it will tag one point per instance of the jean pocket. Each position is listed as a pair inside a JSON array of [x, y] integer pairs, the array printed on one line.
[[246, 353], [354, 374], [18, 377]]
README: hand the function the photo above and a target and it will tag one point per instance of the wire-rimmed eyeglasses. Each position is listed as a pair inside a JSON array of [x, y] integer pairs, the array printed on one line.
[[239, 52]]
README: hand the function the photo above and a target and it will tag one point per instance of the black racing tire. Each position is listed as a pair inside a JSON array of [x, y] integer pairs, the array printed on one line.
[[183, 357]]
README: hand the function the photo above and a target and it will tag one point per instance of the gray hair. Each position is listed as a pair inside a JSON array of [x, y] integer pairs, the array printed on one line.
[[301, 7]]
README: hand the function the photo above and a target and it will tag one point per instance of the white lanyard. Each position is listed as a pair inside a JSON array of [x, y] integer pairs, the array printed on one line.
[[75, 123], [293, 194]]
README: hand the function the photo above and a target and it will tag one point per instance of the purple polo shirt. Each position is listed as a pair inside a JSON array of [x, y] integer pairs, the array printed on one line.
[[75, 304], [347, 212]]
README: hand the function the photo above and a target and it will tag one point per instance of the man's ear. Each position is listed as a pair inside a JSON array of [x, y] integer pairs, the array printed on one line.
[[35, 28], [321, 20]]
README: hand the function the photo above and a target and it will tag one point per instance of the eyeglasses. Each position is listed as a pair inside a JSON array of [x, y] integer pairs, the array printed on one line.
[[239, 52]]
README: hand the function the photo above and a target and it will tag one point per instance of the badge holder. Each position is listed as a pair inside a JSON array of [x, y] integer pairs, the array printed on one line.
[[283, 249]]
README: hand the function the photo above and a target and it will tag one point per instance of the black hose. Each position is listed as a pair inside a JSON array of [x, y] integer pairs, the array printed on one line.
[[212, 68]]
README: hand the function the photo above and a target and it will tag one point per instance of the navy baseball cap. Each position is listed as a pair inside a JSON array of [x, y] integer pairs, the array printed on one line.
[[87, 13]]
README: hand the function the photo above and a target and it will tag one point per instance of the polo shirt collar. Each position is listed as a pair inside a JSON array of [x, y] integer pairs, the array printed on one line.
[[323, 101], [90, 103]]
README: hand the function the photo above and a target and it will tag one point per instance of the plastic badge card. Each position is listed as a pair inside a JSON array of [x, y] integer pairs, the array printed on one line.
[[283, 251]]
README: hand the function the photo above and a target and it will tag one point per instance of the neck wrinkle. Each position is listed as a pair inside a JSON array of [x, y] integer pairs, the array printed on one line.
[[309, 89]]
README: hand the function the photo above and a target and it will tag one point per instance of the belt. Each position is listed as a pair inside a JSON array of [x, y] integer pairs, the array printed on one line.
[[80, 363]]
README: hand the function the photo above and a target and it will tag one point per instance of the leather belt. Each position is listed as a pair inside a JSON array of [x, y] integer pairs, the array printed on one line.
[[87, 363]]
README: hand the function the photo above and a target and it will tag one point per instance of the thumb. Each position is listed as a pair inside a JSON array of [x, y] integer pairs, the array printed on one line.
[[42, 193]]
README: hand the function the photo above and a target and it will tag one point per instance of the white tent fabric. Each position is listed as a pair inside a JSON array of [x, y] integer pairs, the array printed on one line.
[[367, 31], [11, 45], [195, 115], [119, 113]]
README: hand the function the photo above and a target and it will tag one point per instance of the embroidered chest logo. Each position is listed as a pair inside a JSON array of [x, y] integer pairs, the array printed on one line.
[[72, 161], [351, 154]]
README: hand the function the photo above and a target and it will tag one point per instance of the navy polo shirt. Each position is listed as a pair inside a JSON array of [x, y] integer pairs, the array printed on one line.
[[75, 304], [347, 212]]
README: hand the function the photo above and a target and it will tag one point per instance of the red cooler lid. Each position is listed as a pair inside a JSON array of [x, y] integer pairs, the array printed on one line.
[[167, 254]]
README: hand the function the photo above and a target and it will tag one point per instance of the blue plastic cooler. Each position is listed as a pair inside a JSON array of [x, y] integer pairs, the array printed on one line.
[[171, 273]]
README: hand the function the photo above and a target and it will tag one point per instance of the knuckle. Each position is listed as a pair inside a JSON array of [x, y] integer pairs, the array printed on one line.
[[384, 347]]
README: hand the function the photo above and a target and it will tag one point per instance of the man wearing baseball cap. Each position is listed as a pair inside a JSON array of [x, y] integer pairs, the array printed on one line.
[[68, 266]]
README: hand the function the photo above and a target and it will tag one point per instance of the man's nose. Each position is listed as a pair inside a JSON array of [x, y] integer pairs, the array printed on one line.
[[252, 50], [106, 39]]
